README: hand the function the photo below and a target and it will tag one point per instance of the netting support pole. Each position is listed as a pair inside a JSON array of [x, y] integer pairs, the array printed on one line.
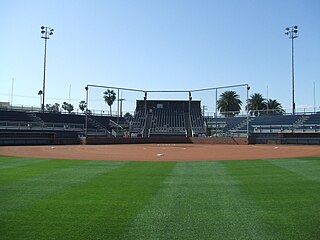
[[144, 134], [248, 88], [86, 123]]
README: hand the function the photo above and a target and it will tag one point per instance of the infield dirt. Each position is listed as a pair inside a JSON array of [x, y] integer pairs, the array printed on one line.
[[162, 152]]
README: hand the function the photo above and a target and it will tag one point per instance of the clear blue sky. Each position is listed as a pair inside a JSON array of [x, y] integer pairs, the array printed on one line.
[[156, 45]]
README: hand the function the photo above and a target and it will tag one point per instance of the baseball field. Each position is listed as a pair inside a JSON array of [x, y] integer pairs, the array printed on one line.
[[173, 192]]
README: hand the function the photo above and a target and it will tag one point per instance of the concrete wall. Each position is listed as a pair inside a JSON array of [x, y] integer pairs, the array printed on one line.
[[221, 140], [25, 138]]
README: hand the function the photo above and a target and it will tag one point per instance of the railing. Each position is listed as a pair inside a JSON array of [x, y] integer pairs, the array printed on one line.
[[272, 128], [22, 108], [18, 125], [168, 130], [21, 125]]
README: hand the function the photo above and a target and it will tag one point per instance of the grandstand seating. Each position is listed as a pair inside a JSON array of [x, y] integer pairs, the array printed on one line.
[[17, 120], [52, 122], [162, 118], [167, 121], [56, 121], [310, 123], [61, 118], [264, 124], [225, 126], [197, 122], [275, 120], [14, 116], [275, 123], [166, 118], [313, 119], [138, 122]]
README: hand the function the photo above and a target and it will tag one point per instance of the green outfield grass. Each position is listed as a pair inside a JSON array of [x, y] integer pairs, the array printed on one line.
[[68, 199]]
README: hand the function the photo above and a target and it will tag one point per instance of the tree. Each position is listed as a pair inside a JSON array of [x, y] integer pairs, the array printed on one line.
[[128, 116], [229, 103], [256, 104], [67, 107], [274, 107], [82, 105], [53, 108], [109, 98]]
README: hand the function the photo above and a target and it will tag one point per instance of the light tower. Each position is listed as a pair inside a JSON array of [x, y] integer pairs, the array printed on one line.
[[292, 32], [46, 32]]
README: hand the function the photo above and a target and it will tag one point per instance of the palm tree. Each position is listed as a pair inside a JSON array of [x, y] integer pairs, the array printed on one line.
[[68, 107], [229, 103], [109, 97], [256, 104], [82, 105], [274, 107], [53, 108]]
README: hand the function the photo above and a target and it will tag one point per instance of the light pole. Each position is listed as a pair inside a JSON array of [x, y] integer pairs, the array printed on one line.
[[292, 32], [46, 32]]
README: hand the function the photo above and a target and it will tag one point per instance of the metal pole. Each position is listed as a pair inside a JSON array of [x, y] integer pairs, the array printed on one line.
[[44, 69], [216, 112], [190, 126], [314, 97], [267, 100], [248, 88], [216, 102], [121, 106], [86, 124], [118, 97], [46, 32], [145, 114], [292, 54], [292, 32]]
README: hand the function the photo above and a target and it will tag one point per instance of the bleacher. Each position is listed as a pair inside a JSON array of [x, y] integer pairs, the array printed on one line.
[[313, 119], [138, 122], [197, 123], [311, 123], [222, 126], [167, 121], [275, 123], [114, 125], [162, 118], [305, 123], [59, 121], [167, 118], [36, 121], [14, 116], [17, 120]]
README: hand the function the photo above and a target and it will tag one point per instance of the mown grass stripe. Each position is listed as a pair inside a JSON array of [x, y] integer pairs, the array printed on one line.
[[309, 169], [14, 162], [27, 168], [99, 208], [45, 179], [288, 201], [199, 200]]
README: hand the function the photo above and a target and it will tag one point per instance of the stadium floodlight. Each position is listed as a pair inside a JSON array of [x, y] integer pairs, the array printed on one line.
[[45, 33], [292, 32]]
